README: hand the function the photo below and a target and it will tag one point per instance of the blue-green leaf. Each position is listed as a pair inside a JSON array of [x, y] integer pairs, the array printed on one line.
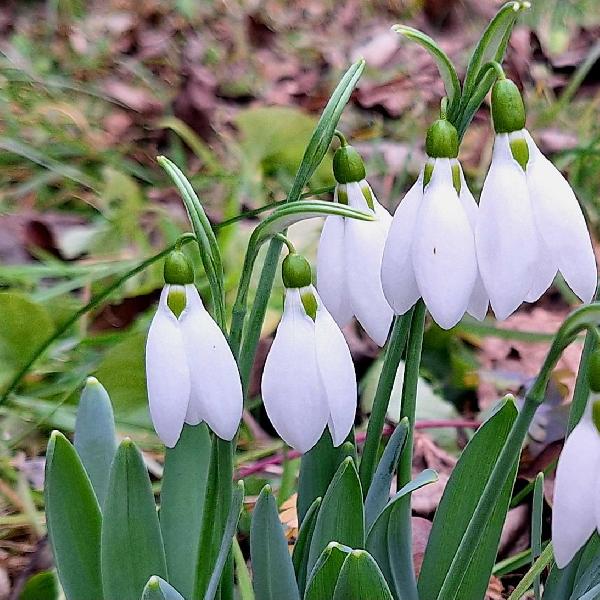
[[456, 509], [233, 517], [361, 579], [159, 589], [74, 521], [341, 517], [182, 503], [132, 546], [383, 536], [326, 571], [271, 562], [95, 437], [379, 491], [302, 545]]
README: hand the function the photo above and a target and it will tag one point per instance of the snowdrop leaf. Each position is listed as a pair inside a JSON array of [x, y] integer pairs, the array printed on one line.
[[587, 575], [271, 563], [341, 517], [182, 504], [456, 509], [317, 469], [379, 491], [95, 437], [326, 571], [41, 586], [444, 64], [132, 547], [302, 545], [230, 528], [385, 531], [159, 589], [361, 579], [73, 527]]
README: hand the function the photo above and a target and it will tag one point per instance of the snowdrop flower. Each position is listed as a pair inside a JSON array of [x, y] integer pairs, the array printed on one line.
[[308, 381], [576, 504], [350, 252], [430, 250], [530, 224], [191, 373]]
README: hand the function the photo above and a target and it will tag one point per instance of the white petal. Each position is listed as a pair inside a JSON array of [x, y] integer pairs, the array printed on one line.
[[544, 271], [337, 375], [575, 500], [444, 249], [292, 391], [331, 270], [397, 274], [561, 223], [505, 236], [216, 394], [479, 301], [364, 243], [167, 373]]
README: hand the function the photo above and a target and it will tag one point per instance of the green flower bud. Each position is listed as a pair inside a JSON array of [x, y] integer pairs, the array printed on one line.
[[508, 110], [296, 271], [593, 373], [596, 414], [348, 165], [442, 140], [178, 270]]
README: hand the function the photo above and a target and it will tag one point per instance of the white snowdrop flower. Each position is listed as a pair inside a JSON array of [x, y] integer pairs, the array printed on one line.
[[530, 224], [576, 503], [430, 250], [308, 381], [191, 373], [350, 252]]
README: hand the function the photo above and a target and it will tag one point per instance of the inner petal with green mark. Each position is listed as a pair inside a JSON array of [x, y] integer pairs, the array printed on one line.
[[310, 303], [176, 300], [596, 414]]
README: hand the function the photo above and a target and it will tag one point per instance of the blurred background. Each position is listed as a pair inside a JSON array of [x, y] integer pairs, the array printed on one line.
[[91, 92]]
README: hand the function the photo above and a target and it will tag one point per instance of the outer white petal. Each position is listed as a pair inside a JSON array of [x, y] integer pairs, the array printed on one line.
[[575, 501], [216, 394], [561, 223], [443, 250], [337, 374], [479, 301], [292, 392], [544, 271], [331, 270], [167, 373], [505, 236], [397, 273], [364, 243]]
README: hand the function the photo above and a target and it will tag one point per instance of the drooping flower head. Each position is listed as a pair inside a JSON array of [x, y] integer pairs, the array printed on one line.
[[350, 251], [191, 373], [430, 250], [308, 381], [576, 503], [530, 225]]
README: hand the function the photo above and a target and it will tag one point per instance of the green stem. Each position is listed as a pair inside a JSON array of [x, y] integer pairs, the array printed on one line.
[[93, 303], [404, 566], [393, 355]]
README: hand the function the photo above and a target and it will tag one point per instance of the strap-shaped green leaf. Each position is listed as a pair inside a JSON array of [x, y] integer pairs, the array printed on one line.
[[361, 579], [159, 589], [341, 517], [379, 491], [444, 64], [386, 532], [588, 570], [95, 438], [317, 468], [457, 507], [132, 546], [272, 567], [302, 545], [233, 517], [74, 521], [182, 503], [326, 572]]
